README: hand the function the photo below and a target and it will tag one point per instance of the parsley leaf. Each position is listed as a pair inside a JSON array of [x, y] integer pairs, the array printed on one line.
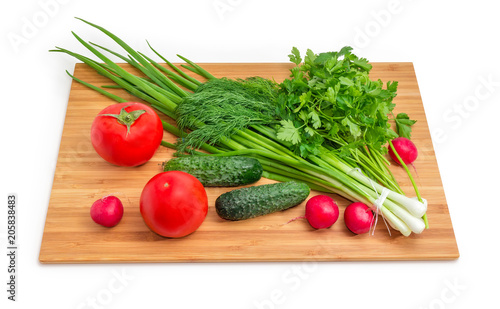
[[346, 81], [353, 128], [309, 131], [316, 121], [288, 132], [295, 56], [403, 125]]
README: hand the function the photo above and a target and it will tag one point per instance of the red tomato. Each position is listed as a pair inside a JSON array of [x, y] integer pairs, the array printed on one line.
[[174, 204], [126, 134]]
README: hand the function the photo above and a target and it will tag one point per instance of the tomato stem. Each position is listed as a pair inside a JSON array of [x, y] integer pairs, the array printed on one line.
[[126, 118]]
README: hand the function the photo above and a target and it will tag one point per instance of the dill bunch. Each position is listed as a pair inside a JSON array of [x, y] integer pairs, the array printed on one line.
[[221, 107]]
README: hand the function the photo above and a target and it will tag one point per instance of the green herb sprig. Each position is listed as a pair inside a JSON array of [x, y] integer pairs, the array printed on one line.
[[330, 97]]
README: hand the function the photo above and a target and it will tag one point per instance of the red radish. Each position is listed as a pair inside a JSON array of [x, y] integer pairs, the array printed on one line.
[[107, 211], [405, 149], [321, 211], [358, 218]]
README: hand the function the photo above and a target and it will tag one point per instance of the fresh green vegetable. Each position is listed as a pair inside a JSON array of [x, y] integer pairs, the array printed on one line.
[[250, 202], [396, 157], [330, 102], [403, 125], [220, 107], [330, 97], [218, 171], [359, 174]]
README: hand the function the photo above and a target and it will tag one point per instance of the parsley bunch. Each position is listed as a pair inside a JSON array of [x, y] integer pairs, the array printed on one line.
[[330, 100]]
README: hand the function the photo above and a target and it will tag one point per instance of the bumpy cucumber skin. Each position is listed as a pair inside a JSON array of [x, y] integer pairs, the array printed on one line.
[[218, 171], [250, 202]]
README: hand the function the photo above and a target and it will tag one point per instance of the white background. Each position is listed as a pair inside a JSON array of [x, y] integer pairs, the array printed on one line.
[[455, 51]]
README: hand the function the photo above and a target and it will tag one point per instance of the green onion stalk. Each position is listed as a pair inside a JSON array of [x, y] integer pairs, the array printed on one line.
[[165, 87]]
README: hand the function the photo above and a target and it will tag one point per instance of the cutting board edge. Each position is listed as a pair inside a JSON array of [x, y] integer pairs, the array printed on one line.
[[451, 257]]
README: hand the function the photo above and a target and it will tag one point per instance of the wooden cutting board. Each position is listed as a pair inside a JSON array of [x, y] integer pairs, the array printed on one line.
[[81, 177]]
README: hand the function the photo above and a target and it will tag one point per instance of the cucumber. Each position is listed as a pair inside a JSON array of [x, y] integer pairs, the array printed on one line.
[[213, 171], [250, 202]]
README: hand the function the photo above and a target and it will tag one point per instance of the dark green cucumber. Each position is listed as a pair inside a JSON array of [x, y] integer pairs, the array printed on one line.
[[250, 202], [213, 171]]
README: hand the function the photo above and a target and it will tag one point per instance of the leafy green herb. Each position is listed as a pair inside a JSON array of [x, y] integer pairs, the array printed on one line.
[[221, 107], [288, 132], [295, 56], [403, 125], [330, 97]]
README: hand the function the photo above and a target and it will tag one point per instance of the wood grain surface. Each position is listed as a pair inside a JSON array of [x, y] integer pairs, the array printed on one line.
[[81, 177]]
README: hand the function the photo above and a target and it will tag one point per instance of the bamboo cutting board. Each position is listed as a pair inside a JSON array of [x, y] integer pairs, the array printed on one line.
[[81, 177]]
